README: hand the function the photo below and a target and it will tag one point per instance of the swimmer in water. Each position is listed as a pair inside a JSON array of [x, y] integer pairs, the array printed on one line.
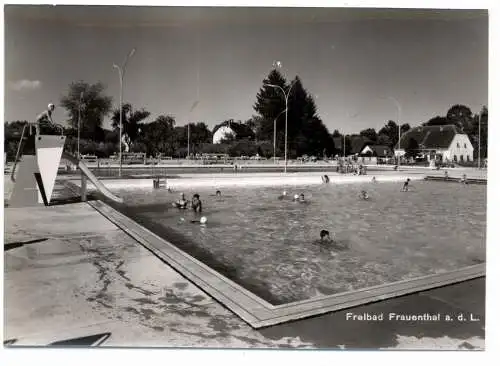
[[283, 195], [299, 198], [406, 185], [218, 194], [331, 243], [181, 202], [374, 180], [325, 237], [464, 179], [364, 195], [196, 203], [202, 221]]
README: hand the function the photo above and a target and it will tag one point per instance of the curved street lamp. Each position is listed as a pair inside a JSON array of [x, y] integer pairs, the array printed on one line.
[[286, 95], [274, 143], [189, 131], [121, 74]]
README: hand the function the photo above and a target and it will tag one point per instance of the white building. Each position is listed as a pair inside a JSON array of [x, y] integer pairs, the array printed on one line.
[[443, 143], [222, 133], [372, 154]]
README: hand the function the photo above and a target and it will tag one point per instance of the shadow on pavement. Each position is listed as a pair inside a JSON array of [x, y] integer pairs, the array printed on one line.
[[10, 246]]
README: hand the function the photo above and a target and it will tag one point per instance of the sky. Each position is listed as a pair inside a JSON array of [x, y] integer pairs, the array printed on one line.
[[358, 63]]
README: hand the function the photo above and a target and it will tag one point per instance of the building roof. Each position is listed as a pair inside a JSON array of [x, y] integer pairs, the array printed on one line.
[[430, 137], [221, 133], [380, 150], [240, 130], [358, 143]]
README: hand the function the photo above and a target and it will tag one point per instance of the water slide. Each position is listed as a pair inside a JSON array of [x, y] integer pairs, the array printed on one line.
[[96, 182]]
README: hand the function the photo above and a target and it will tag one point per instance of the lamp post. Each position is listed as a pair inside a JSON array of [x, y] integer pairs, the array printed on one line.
[[399, 125], [189, 131], [274, 143], [121, 74], [79, 119], [479, 144], [286, 94]]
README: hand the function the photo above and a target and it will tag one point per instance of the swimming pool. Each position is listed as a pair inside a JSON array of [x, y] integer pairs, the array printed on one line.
[[268, 246]]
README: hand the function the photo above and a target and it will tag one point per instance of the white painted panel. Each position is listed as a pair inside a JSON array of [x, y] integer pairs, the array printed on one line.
[[48, 164]]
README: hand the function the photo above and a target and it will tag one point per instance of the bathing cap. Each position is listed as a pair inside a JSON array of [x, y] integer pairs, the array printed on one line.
[[296, 196], [284, 193], [203, 220], [51, 106]]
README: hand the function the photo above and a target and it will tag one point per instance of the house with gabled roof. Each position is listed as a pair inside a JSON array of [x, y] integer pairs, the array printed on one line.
[[442, 143], [374, 153]]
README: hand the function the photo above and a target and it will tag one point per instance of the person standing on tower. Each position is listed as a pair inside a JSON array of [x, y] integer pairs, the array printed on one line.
[[45, 117]]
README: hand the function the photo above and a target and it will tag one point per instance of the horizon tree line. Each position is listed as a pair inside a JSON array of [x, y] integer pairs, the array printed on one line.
[[307, 134]]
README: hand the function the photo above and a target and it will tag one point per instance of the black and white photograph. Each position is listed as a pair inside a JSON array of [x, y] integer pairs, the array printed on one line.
[[245, 178]]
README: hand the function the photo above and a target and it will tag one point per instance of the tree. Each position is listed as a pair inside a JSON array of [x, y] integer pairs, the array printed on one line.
[[243, 147], [391, 130], [460, 116], [412, 149], [198, 134], [12, 136], [383, 139], [336, 133], [484, 132], [437, 121], [473, 133], [318, 141], [254, 125], [306, 133], [404, 128], [131, 120], [348, 146], [159, 136], [269, 105], [370, 134], [94, 105]]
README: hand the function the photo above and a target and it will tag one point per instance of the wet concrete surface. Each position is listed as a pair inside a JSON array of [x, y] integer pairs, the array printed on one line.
[[76, 274]]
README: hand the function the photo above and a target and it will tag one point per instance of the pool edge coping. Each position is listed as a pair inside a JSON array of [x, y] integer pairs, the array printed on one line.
[[256, 311]]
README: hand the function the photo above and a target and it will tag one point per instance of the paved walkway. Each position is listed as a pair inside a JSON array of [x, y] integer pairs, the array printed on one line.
[[69, 272]]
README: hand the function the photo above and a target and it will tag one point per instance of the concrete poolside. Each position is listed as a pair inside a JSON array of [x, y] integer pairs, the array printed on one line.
[[69, 272], [220, 180]]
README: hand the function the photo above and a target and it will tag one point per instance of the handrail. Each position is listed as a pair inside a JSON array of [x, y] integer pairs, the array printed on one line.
[[17, 154], [19, 146], [57, 125]]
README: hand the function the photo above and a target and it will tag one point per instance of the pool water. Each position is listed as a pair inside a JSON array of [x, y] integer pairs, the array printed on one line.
[[270, 246]]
